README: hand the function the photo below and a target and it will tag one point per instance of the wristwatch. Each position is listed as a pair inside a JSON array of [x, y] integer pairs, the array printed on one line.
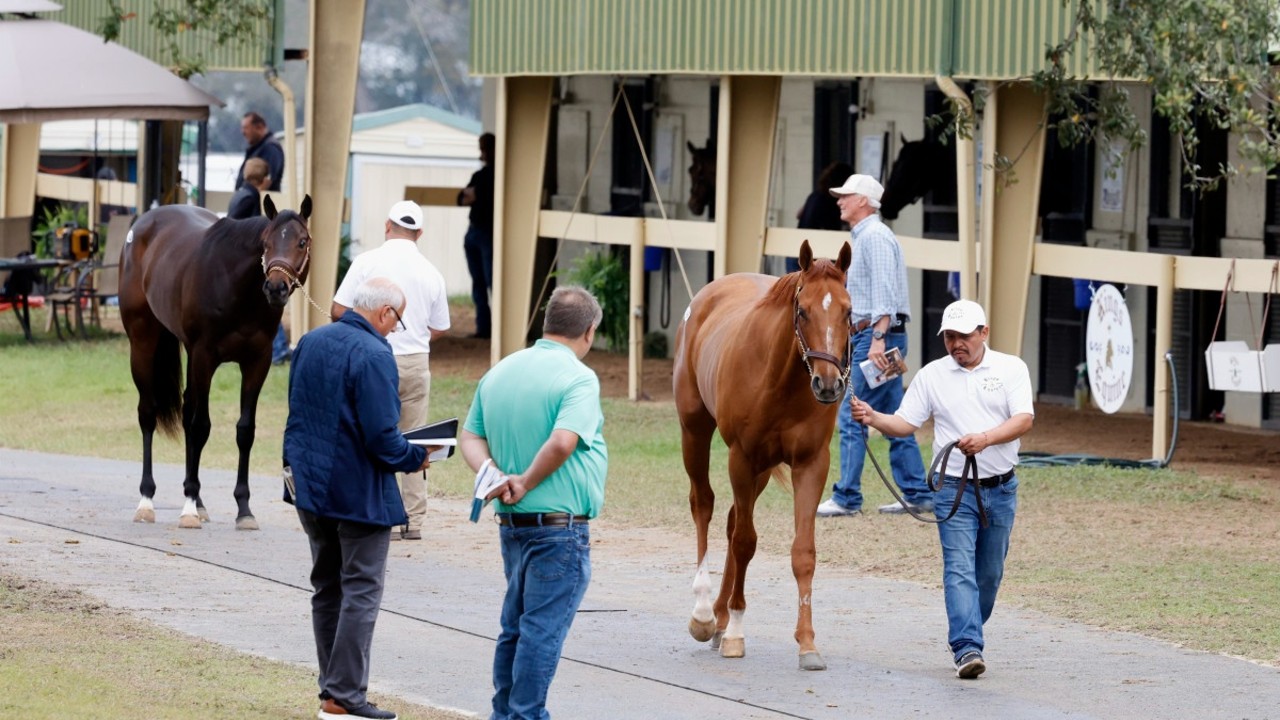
[[877, 334]]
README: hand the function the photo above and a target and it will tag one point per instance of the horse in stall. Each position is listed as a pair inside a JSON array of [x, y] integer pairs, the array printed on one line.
[[218, 288], [702, 179], [765, 361], [914, 173]]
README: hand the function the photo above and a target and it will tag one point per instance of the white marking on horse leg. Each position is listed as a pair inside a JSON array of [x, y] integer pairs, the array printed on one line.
[[735, 625], [826, 301], [189, 508], [146, 504], [806, 600], [146, 512], [702, 611]]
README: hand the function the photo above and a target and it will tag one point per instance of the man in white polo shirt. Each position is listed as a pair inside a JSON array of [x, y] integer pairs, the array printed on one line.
[[426, 317], [980, 399]]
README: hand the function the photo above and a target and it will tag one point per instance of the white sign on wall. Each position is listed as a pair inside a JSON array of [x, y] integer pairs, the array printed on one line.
[[1112, 189], [1109, 348]]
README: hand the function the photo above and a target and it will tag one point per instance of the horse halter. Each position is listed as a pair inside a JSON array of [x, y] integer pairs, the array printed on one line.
[[282, 266], [806, 354]]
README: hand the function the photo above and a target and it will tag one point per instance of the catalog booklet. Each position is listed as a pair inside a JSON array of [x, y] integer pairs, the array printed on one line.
[[487, 478], [443, 433], [877, 377]]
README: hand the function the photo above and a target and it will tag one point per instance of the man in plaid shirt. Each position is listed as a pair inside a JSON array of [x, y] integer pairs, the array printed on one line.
[[877, 283]]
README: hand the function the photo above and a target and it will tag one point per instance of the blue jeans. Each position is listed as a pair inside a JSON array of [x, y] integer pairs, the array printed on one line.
[[478, 247], [904, 453], [548, 570], [280, 346], [973, 558]]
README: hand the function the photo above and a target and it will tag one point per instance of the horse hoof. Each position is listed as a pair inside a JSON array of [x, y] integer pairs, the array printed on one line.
[[190, 522], [203, 514], [144, 515], [716, 639], [246, 523], [812, 661], [702, 630], [733, 647]]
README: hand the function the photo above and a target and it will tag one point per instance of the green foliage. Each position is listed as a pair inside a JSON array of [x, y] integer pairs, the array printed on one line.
[[603, 274], [52, 219], [1208, 65], [217, 21]]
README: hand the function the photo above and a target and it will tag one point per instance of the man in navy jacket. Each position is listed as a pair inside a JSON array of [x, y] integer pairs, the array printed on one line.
[[343, 444]]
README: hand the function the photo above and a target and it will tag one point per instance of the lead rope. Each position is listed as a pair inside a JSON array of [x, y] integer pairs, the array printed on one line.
[[935, 480]]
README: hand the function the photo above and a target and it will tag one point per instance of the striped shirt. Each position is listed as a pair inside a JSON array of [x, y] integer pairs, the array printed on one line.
[[877, 279]]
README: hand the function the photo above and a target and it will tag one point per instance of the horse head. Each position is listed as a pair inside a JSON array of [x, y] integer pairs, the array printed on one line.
[[823, 322], [913, 174], [702, 179], [286, 250]]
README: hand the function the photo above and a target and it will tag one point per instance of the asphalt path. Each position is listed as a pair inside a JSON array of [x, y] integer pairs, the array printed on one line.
[[67, 520]]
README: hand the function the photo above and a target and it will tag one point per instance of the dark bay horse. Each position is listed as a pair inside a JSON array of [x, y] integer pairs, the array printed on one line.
[[702, 179], [765, 361], [218, 288], [920, 165]]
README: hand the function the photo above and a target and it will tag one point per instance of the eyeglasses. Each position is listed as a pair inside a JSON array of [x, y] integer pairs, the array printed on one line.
[[398, 318]]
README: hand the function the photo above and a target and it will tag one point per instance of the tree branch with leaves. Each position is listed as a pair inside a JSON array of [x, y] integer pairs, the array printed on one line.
[[215, 22]]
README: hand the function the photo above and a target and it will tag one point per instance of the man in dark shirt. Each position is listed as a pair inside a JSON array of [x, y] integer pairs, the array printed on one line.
[[261, 145], [479, 242]]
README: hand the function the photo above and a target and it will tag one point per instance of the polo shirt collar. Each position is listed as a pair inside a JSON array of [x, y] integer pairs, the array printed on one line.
[[865, 223], [984, 363], [553, 345]]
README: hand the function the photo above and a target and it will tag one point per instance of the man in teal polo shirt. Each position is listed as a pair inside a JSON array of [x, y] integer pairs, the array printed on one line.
[[537, 415]]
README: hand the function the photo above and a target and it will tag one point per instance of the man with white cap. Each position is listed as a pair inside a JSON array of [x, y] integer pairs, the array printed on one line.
[[980, 399], [877, 282], [426, 317]]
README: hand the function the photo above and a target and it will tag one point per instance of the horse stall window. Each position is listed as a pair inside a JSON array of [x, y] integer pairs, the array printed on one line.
[[835, 122], [1183, 222], [1271, 245], [941, 220], [1066, 193], [629, 188]]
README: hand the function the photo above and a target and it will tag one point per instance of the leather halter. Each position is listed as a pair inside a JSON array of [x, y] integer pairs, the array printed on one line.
[[845, 364], [282, 266]]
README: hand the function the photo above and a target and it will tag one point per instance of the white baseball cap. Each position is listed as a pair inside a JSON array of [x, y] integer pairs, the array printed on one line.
[[864, 185], [963, 316], [406, 214]]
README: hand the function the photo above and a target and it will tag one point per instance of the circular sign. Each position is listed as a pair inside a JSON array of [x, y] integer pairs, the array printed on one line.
[[1109, 348]]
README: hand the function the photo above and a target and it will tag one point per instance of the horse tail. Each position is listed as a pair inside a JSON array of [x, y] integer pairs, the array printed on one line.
[[783, 478], [167, 384]]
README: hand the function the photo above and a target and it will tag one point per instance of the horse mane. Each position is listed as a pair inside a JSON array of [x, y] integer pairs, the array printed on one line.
[[243, 234], [784, 290]]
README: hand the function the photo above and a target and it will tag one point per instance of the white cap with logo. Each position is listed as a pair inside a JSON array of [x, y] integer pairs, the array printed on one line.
[[863, 185], [406, 214], [963, 316]]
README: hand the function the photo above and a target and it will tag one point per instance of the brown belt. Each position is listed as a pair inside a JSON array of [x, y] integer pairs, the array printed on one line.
[[540, 519]]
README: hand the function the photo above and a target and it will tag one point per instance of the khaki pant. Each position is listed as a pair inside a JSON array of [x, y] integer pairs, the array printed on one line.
[[415, 393]]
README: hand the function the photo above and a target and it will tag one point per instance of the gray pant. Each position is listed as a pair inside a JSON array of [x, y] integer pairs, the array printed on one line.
[[349, 562]]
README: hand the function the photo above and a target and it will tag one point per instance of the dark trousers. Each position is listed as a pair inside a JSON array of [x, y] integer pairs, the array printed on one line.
[[478, 247], [349, 562]]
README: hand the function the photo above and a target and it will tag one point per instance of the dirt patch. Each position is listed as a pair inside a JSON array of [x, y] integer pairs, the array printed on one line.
[[1206, 448]]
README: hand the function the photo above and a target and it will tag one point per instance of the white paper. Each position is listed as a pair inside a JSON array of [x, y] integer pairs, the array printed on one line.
[[871, 155], [877, 377], [443, 443], [488, 477]]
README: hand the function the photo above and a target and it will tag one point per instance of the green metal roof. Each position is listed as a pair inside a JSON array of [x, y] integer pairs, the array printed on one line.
[[138, 35], [920, 38]]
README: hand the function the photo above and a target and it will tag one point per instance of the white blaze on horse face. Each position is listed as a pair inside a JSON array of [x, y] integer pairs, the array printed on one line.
[[826, 301], [734, 630], [702, 594], [831, 340], [189, 508], [128, 238]]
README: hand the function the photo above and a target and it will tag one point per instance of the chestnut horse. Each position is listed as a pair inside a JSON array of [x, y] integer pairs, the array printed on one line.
[[218, 287], [765, 361]]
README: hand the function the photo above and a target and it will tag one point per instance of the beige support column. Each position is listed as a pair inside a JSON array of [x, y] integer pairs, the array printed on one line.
[[334, 57], [19, 161], [635, 348], [1013, 122], [524, 121], [966, 192], [744, 160], [1161, 401]]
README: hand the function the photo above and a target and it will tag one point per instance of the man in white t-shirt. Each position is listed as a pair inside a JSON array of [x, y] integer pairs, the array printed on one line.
[[426, 317], [980, 399]]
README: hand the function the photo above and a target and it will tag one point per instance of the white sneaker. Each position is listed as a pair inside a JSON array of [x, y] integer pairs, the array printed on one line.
[[831, 508], [896, 508]]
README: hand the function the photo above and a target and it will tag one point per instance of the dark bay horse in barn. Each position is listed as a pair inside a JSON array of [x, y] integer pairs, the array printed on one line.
[[702, 179], [918, 168], [765, 361], [217, 288]]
